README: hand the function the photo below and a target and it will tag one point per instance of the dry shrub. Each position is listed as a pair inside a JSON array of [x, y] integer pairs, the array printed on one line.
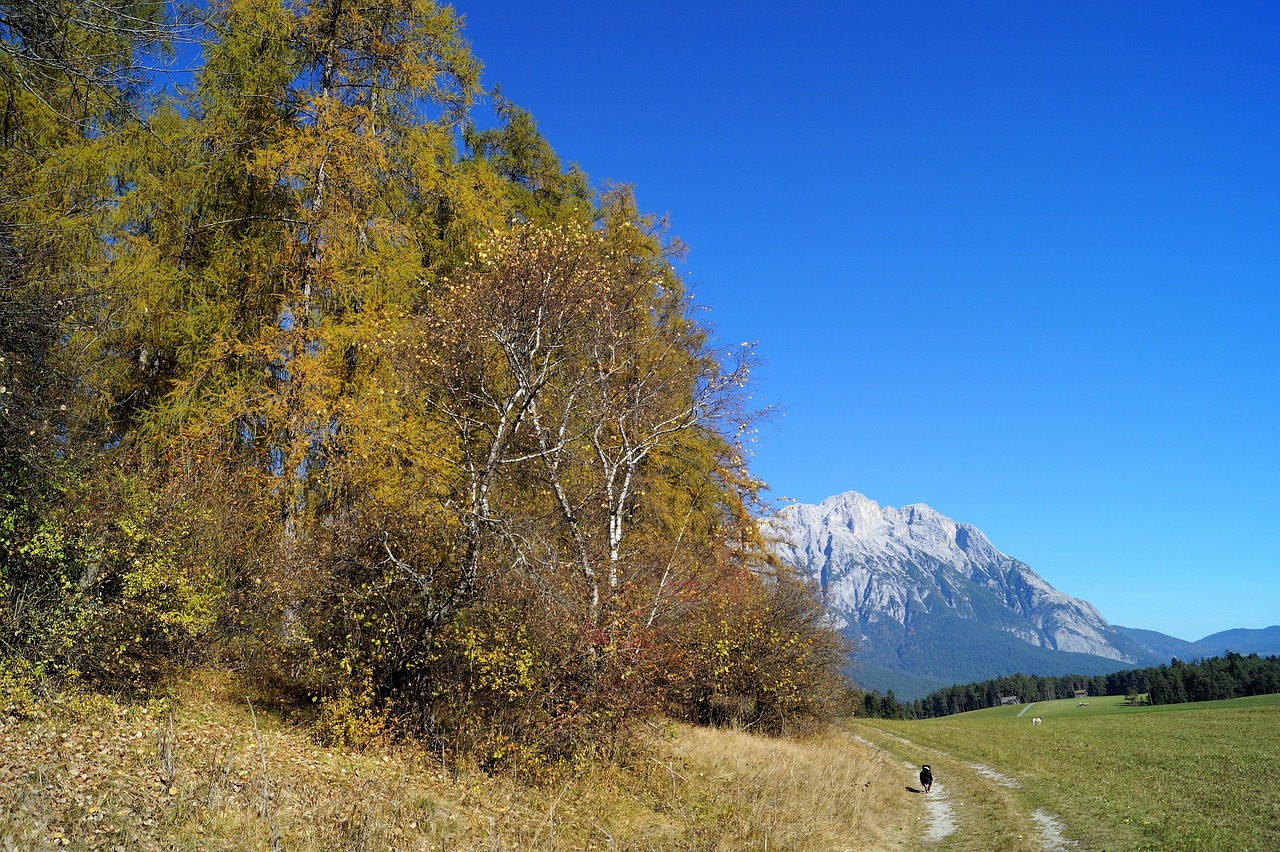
[[521, 685], [353, 718], [759, 655], [19, 687]]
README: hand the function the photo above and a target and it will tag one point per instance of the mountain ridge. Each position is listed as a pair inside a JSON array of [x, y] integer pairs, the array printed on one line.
[[1242, 640], [930, 601]]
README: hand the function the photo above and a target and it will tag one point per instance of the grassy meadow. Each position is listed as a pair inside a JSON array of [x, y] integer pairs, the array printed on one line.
[[1179, 777]]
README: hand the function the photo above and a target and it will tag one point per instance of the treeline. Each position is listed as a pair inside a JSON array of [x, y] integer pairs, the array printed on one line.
[[1230, 676], [306, 374]]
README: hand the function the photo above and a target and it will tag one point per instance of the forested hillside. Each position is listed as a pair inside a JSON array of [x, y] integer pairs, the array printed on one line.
[[312, 371]]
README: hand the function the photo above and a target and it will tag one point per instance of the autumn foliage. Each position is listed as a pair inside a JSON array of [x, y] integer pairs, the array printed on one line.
[[307, 377]]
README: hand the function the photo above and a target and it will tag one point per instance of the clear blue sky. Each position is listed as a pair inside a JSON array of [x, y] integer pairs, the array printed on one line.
[[1018, 261]]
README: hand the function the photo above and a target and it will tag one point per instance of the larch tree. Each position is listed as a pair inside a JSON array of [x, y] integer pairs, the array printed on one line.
[[278, 225], [69, 82]]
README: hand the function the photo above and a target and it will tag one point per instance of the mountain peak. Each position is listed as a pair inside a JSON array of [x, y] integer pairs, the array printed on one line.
[[910, 582], [863, 525]]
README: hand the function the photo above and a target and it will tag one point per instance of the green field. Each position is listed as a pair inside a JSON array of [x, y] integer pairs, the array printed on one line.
[[1187, 776]]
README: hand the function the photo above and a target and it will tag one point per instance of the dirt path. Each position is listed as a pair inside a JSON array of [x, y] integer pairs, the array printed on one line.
[[972, 806], [937, 806]]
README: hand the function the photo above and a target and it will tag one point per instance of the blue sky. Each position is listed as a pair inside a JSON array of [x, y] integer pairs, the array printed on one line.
[[1018, 261]]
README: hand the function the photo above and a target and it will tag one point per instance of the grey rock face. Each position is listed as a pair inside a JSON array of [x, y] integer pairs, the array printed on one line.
[[884, 571]]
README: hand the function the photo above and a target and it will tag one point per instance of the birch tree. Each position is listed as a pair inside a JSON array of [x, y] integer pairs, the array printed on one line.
[[566, 361]]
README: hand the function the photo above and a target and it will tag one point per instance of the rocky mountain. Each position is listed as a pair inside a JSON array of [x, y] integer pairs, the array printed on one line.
[[930, 602]]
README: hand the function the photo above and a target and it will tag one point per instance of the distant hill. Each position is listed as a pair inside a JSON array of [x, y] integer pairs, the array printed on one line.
[[930, 602], [1264, 642], [1164, 646]]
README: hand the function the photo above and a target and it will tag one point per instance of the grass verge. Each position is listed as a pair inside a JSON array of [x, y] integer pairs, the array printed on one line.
[[201, 771]]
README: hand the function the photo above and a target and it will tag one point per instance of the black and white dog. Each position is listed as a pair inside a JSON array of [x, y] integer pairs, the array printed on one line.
[[926, 777]]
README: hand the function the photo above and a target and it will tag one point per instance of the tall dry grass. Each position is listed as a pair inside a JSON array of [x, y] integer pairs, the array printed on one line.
[[824, 792], [204, 772]]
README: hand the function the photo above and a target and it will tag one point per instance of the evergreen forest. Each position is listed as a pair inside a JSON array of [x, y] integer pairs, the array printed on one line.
[[1212, 679], [320, 368]]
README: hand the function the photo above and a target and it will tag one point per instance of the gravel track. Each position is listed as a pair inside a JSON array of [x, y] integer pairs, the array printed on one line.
[[943, 812]]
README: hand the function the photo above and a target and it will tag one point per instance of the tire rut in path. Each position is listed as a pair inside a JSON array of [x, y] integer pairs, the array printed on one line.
[[937, 807]]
